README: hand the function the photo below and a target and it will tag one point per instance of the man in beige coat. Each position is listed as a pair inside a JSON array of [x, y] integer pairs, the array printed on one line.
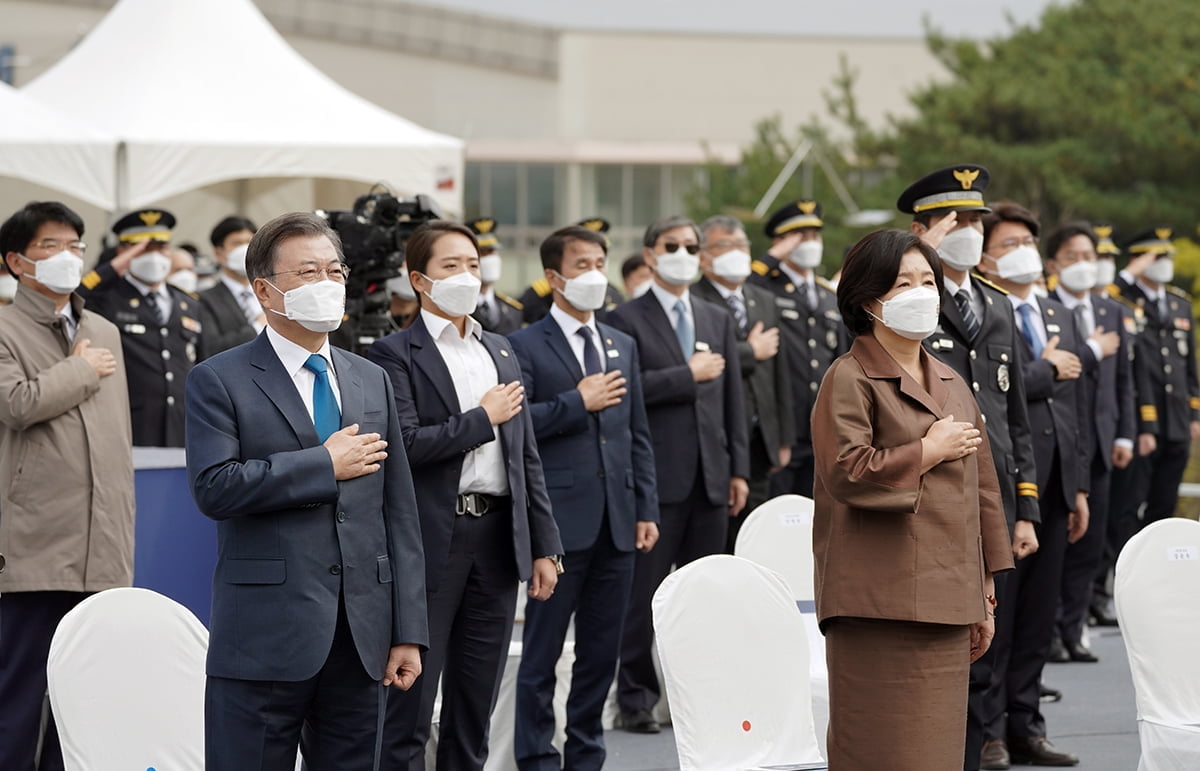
[[66, 467]]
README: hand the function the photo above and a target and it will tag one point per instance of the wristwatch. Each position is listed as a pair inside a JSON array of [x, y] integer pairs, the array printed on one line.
[[558, 563]]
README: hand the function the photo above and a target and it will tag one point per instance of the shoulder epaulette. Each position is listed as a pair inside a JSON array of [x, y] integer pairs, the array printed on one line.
[[986, 282], [759, 267], [541, 287], [510, 301], [823, 282], [1113, 291], [1178, 292], [1130, 304], [91, 280]]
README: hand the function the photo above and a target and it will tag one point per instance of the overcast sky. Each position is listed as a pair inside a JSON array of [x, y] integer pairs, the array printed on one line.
[[866, 18]]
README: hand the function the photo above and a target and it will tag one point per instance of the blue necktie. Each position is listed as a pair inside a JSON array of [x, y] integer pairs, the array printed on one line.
[[327, 418], [1028, 330], [684, 331], [591, 359]]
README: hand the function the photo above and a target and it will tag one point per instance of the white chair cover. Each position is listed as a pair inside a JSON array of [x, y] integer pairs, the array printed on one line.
[[1157, 592], [126, 675], [734, 654], [778, 535]]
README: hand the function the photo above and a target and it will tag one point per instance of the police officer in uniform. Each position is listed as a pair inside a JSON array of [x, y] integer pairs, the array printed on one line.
[[813, 333], [537, 298], [161, 327], [1168, 395], [496, 311], [977, 336]]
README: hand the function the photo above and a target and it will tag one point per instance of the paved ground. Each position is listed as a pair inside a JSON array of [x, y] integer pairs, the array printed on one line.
[[1096, 719]]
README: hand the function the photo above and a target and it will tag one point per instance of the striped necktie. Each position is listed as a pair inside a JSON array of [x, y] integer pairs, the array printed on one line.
[[963, 301]]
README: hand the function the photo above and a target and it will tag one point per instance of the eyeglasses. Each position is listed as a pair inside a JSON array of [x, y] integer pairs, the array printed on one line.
[[691, 248], [54, 246], [338, 273], [1012, 243]]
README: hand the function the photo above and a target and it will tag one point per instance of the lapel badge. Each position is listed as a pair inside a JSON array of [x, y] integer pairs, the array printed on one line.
[[504, 353], [134, 302], [1002, 379]]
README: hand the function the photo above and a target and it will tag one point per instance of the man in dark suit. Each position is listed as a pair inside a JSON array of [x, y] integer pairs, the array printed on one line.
[[766, 381], [698, 425], [231, 309], [1056, 400], [496, 311], [485, 514], [585, 394], [813, 334], [538, 297], [319, 592], [162, 328], [977, 336], [1108, 386]]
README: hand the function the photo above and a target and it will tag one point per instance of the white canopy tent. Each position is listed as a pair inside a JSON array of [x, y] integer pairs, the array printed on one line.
[[54, 149], [205, 91]]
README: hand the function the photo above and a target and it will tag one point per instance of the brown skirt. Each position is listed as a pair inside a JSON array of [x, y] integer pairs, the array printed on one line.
[[897, 694]]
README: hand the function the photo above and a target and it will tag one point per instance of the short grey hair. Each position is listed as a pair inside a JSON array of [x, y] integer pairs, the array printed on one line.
[[663, 224], [719, 222]]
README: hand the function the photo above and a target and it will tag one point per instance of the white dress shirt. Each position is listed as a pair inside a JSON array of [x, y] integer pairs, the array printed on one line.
[[1089, 319], [474, 374], [70, 325], [164, 297], [570, 327], [292, 357], [668, 300], [249, 304]]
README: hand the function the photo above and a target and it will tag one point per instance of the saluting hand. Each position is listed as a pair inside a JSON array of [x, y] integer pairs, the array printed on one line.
[[934, 235], [353, 455], [101, 360]]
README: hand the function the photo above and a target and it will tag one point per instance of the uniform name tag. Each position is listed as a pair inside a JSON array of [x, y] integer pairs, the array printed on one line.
[[788, 313], [1053, 329], [702, 346], [612, 353], [135, 329]]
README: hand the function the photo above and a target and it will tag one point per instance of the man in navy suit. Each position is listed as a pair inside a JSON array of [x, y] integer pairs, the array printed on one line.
[[319, 587], [1051, 369], [1108, 385], [698, 427], [485, 515], [585, 395]]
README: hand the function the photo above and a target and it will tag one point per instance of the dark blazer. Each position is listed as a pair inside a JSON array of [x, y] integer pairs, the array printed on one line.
[[227, 325], [989, 364], [1062, 429], [697, 428], [594, 462], [1109, 381], [437, 434], [766, 385], [156, 363], [289, 536], [889, 541]]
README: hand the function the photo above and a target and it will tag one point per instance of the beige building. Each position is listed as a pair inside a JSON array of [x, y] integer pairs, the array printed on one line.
[[559, 124]]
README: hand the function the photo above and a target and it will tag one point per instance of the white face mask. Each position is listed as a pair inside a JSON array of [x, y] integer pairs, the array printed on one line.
[[150, 267], [8, 287], [317, 307], [185, 280], [643, 287], [732, 266], [807, 254], [1079, 277], [1161, 271], [1106, 272], [961, 249], [1022, 265], [457, 295], [913, 313], [236, 259], [677, 267], [60, 273], [585, 292], [401, 287], [489, 269]]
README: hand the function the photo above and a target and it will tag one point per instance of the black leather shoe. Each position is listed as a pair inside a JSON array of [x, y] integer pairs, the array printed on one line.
[[1103, 614], [994, 756], [1058, 652], [1038, 751], [1080, 652], [1047, 695], [640, 722]]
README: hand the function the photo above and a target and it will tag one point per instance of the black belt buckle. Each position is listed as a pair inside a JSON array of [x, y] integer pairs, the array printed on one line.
[[475, 504]]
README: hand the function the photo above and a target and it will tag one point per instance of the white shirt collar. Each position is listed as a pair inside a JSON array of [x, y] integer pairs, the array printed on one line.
[[796, 276], [293, 356], [954, 288], [725, 291], [571, 325], [668, 300], [1017, 302], [488, 296], [1070, 300], [234, 287], [145, 288], [1153, 294], [437, 326]]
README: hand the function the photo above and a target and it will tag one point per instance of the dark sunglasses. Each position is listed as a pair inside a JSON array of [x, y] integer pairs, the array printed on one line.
[[691, 248]]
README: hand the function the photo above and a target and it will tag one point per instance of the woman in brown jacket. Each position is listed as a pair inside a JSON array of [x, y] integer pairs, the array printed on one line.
[[909, 526]]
